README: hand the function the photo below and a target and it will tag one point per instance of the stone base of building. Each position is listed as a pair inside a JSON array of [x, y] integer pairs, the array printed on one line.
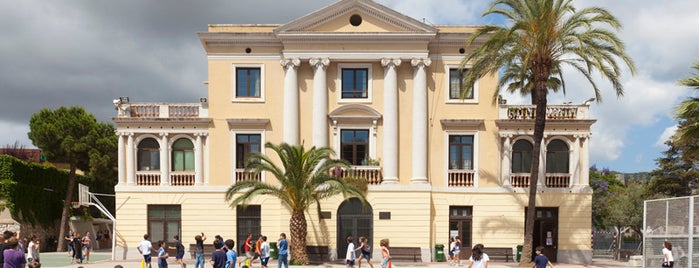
[[575, 256]]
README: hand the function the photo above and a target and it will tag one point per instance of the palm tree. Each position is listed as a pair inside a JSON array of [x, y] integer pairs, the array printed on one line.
[[510, 80], [542, 37], [688, 114], [305, 177]]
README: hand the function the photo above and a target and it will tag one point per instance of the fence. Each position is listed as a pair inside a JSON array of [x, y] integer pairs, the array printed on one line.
[[675, 220]]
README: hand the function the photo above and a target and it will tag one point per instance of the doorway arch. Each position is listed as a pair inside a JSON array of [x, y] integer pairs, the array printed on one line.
[[356, 220]]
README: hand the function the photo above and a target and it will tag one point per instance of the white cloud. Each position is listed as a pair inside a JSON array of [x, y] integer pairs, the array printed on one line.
[[665, 136]]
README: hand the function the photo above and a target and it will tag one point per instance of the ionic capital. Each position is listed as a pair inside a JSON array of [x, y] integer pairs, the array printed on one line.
[[318, 63], [420, 62], [389, 62], [290, 63]]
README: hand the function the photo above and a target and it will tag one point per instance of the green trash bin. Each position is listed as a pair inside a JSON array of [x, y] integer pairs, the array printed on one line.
[[273, 251], [439, 252], [519, 252]]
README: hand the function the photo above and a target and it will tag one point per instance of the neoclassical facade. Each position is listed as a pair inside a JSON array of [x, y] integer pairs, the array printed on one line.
[[384, 91]]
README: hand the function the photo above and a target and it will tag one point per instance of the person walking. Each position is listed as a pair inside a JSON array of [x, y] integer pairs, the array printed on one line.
[[145, 247], [180, 251], [541, 261], [364, 252], [162, 254], [218, 257], [457, 251], [668, 259], [452, 245], [264, 252], [386, 261], [86, 246], [248, 250], [199, 250], [231, 254], [349, 257], [77, 248], [283, 254], [478, 258]]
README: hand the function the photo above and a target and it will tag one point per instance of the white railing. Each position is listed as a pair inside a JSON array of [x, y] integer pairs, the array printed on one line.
[[551, 180], [162, 110], [182, 178], [243, 175], [553, 112], [148, 178], [461, 178], [372, 174]]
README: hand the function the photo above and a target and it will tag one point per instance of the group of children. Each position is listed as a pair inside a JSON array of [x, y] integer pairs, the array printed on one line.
[[224, 255], [12, 250], [79, 247], [365, 253], [479, 259]]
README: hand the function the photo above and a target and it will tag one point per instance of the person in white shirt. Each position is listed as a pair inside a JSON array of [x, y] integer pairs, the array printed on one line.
[[478, 258], [145, 247], [264, 252], [668, 259], [349, 258]]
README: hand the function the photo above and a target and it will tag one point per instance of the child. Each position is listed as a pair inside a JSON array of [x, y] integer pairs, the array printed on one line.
[[199, 250], [180, 251], [264, 252], [365, 252], [385, 262], [162, 254], [478, 258], [283, 251], [218, 258], [540, 261], [452, 245], [457, 251], [349, 258], [231, 255]]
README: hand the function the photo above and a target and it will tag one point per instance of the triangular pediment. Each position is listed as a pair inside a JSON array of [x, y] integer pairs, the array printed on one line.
[[375, 18]]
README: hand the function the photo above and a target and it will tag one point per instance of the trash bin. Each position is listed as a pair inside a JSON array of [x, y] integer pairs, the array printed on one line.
[[519, 252], [273, 252], [439, 252]]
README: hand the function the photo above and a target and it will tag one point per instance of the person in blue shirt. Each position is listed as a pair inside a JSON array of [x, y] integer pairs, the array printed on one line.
[[540, 261], [218, 257], [162, 254], [231, 255], [283, 254]]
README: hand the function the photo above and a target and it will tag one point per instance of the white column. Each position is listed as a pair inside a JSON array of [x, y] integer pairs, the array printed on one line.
[[121, 159], [506, 159], [542, 162], [419, 140], [585, 163], [320, 101], [198, 159], [291, 101], [390, 121], [164, 163], [575, 162], [130, 160]]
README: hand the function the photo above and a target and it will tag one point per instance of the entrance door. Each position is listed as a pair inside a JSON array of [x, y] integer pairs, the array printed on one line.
[[460, 225], [546, 231], [355, 220], [248, 221]]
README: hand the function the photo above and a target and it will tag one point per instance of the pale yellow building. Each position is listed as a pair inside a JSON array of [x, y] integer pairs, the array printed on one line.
[[383, 90]]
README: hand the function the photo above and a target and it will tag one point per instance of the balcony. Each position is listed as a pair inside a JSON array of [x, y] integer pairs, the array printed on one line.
[[461, 178], [372, 174], [162, 110], [152, 178], [553, 112], [552, 180], [243, 175]]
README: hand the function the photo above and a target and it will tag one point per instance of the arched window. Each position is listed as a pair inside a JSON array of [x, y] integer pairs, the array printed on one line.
[[522, 156], [148, 155], [183, 155], [557, 156]]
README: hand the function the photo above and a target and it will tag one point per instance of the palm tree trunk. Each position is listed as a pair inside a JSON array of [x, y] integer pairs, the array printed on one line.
[[539, 126], [66, 207], [298, 229]]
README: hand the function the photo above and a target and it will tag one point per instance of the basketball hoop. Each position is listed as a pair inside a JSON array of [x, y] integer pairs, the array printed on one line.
[[75, 204]]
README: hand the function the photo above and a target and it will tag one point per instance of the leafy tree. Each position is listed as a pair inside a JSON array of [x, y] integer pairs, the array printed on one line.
[[603, 185], [72, 136], [305, 177], [627, 210], [543, 37], [688, 114], [675, 176]]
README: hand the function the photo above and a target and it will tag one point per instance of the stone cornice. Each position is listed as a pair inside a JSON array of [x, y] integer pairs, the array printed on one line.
[[356, 38], [156, 121], [248, 122], [455, 123], [529, 123]]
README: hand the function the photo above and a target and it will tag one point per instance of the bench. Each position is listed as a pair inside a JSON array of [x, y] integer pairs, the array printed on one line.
[[504, 254], [318, 254], [405, 254]]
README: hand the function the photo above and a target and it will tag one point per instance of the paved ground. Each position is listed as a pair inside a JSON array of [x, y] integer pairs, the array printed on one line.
[[102, 260]]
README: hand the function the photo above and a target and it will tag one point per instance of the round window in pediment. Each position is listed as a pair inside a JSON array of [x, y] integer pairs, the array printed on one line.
[[355, 20]]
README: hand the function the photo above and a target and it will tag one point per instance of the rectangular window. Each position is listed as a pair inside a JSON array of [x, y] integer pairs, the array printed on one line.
[[148, 160], [246, 144], [461, 152], [164, 221], [354, 144], [355, 83], [248, 82], [456, 85], [182, 160]]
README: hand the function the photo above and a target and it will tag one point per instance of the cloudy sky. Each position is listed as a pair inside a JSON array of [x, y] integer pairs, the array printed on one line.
[[86, 52]]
